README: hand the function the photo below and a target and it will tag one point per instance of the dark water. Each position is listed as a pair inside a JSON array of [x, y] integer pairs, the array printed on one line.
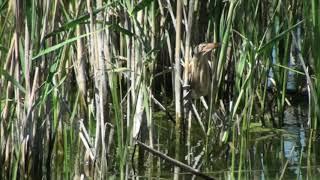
[[285, 155], [282, 154]]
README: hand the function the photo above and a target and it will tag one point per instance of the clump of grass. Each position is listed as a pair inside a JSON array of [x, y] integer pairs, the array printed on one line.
[[104, 67]]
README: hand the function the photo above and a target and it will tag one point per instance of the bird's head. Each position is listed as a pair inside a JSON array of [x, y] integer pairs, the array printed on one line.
[[205, 48], [201, 51]]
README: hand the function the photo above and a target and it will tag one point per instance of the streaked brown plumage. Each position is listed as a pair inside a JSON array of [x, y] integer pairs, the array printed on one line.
[[200, 71]]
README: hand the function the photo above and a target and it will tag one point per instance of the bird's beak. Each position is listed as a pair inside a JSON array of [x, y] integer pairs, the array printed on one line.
[[210, 46]]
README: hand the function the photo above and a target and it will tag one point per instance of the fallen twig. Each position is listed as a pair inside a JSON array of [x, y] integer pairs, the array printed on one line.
[[173, 161]]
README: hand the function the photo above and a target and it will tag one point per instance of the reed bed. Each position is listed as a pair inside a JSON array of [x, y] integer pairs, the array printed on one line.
[[96, 89]]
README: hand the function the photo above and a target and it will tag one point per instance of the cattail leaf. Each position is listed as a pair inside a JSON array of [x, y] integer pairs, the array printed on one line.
[[141, 6], [57, 46], [80, 20], [122, 69], [118, 28], [13, 80], [277, 38]]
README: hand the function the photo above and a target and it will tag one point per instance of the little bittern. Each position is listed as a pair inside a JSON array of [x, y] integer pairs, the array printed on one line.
[[200, 71]]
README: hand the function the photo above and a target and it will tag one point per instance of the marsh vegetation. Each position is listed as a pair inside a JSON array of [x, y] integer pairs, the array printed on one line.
[[100, 89]]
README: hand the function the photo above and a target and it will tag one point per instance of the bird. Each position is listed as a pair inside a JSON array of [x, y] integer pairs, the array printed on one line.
[[199, 74]]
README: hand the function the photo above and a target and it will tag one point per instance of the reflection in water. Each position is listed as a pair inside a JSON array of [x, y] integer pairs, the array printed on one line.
[[291, 147], [269, 154], [294, 145]]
